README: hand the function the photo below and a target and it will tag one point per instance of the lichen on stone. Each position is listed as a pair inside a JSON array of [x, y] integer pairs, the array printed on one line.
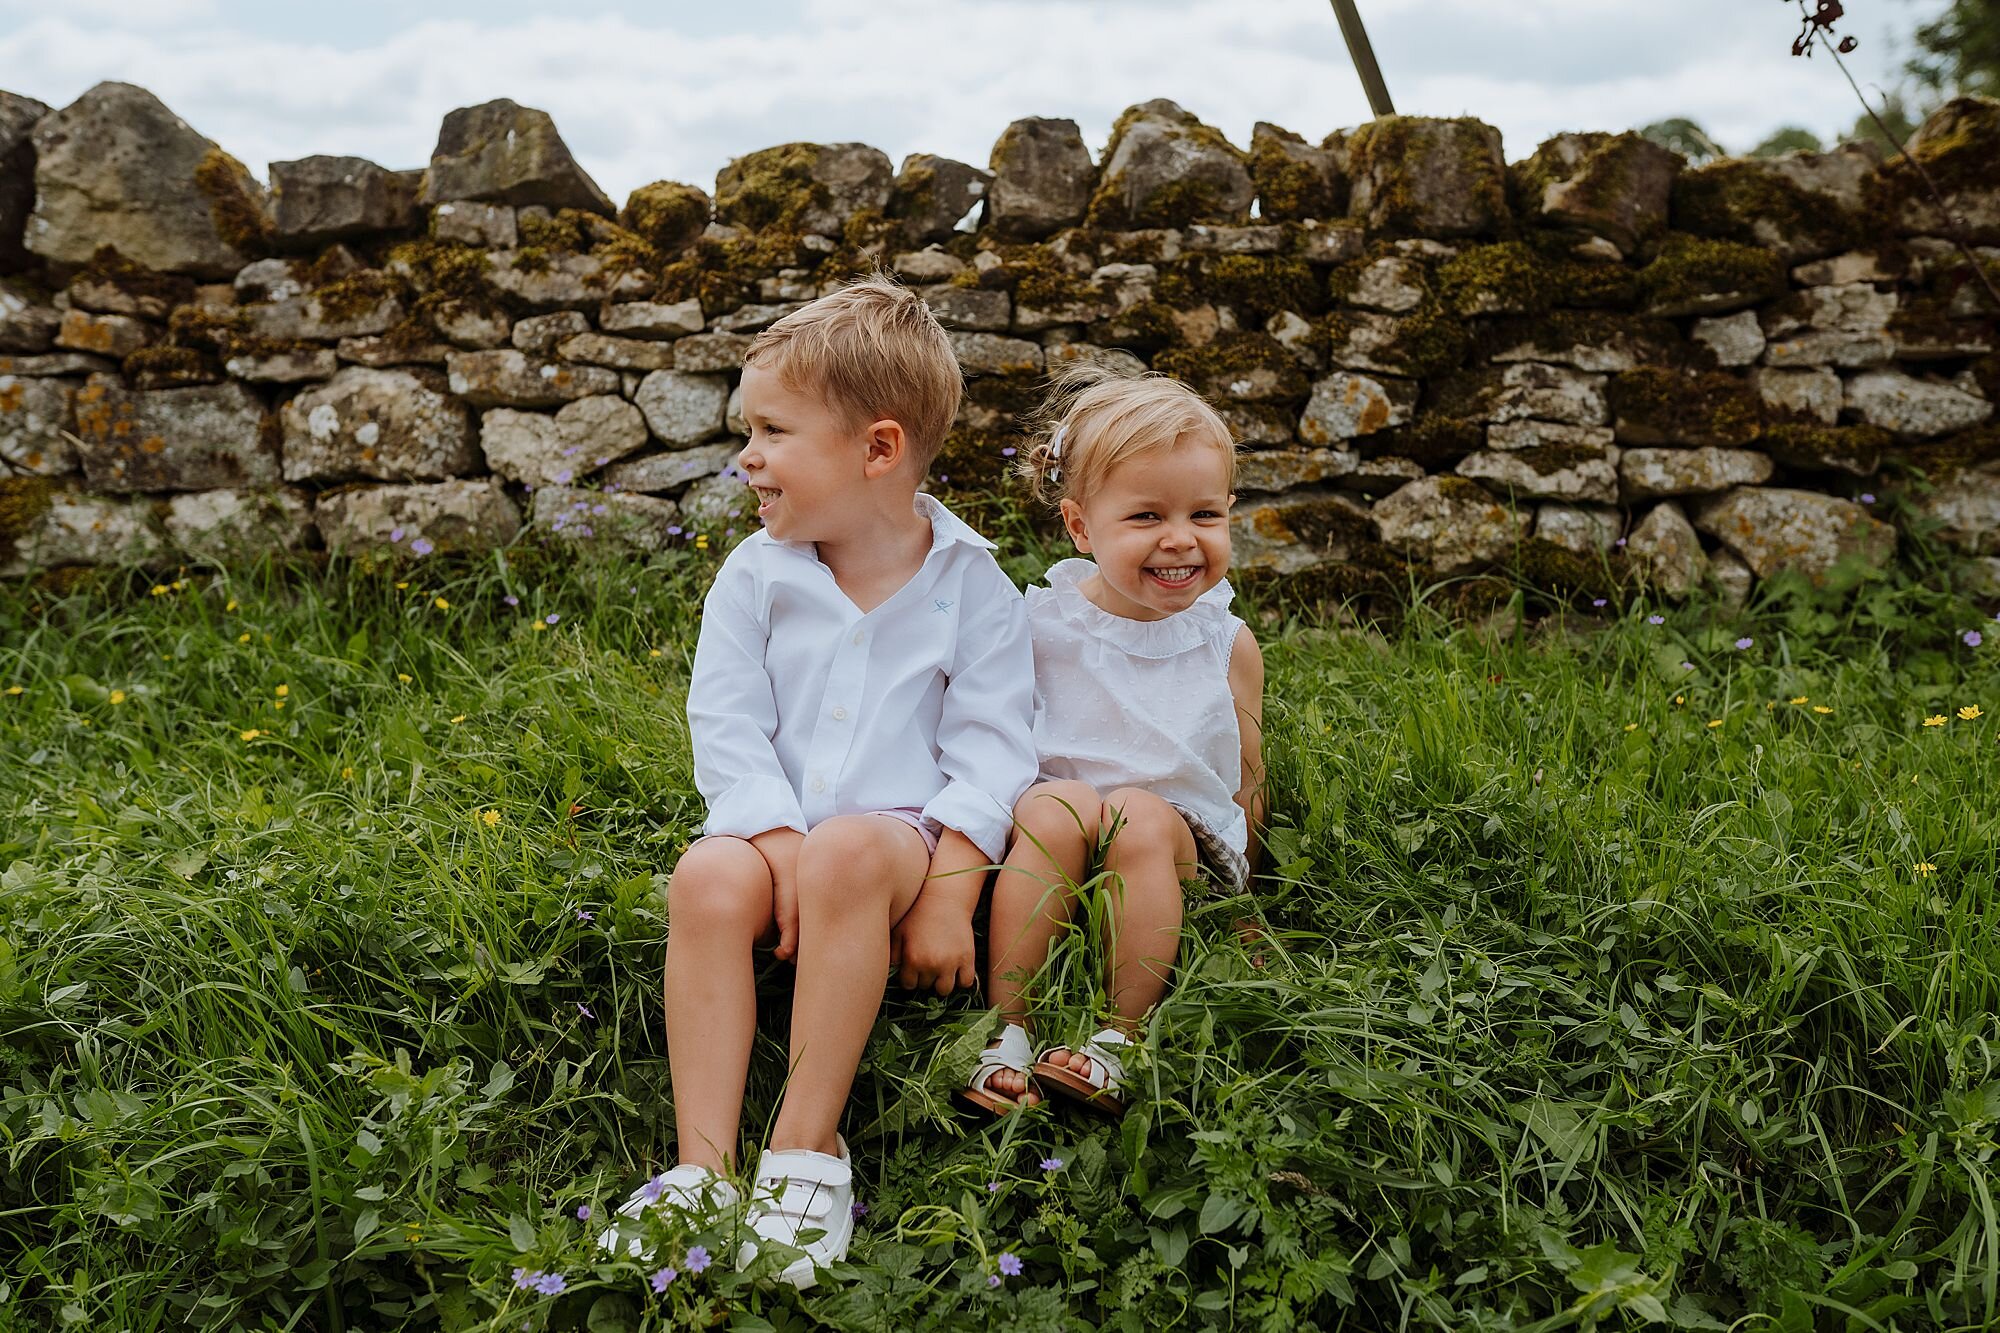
[[1255, 286], [1434, 441], [113, 269], [1289, 189], [1234, 356], [23, 501], [1180, 202], [772, 188], [1941, 460], [165, 366], [1549, 566], [1384, 149], [1814, 446], [1431, 340]]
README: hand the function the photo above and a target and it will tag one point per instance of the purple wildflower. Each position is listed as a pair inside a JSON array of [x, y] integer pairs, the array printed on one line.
[[674, 530], [571, 452], [1973, 638], [1008, 452], [1052, 1164], [697, 1258], [1010, 1264], [562, 477], [992, 1187], [584, 1009], [602, 461], [1687, 666], [1867, 498], [583, 1212], [857, 1211], [525, 1278], [599, 510], [511, 600], [664, 1279], [992, 1279], [1744, 642], [653, 1189], [551, 618], [1599, 602], [1656, 620], [422, 546], [395, 534], [1621, 541], [552, 1284], [582, 915]]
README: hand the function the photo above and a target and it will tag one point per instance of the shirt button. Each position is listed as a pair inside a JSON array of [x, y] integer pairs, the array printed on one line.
[[839, 714], [819, 784], [859, 636]]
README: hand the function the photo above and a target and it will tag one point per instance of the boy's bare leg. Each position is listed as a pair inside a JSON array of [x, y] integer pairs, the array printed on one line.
[[1034, 895], [858, 874], [718, 905], [1148, 856]]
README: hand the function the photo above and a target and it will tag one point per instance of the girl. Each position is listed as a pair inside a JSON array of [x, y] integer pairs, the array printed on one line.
[[1148, 717]]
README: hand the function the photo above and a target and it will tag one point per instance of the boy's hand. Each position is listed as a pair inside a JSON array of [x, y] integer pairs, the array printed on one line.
[[780, 850], [932, 945]]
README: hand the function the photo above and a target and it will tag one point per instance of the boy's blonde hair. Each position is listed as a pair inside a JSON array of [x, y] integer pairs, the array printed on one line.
[[872, 350], [1098, 416]]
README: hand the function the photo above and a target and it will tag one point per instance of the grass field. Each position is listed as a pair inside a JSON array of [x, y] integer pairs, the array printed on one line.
[[1615, 973]]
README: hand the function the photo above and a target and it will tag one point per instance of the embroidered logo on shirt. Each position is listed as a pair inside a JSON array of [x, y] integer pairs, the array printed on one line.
[[941, 605]]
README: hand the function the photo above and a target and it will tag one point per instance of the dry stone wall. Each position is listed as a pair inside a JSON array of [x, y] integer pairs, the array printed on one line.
[[1594, 368]]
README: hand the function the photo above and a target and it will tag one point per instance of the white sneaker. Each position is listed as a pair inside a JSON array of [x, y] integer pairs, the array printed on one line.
[[695, 1192], [797, 1191]]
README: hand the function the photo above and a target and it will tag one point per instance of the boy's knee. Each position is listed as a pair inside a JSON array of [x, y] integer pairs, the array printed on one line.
[[1142, 815], [854, 851], [1052, 808], [720, 883]]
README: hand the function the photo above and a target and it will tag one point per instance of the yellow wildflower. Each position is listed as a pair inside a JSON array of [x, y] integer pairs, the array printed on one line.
[[403, 677], [1970, 713], [701, 542], [1680, 699], [456, 720], [282, 691], [538, 627], [1713, 723], [178, 584], [1936, 720], [1821, 709], [277, 703], [401, 586], [231, 606], [243, 638], [17, 689], [1802, 699], [1924, 869], [653, 652], [441, 604], [250, 735], [491, 818], [158, 590], [1631, 726], [346, 772], [117, 696]]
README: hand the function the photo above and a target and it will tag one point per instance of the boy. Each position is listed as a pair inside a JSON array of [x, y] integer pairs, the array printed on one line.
[[860, 704]]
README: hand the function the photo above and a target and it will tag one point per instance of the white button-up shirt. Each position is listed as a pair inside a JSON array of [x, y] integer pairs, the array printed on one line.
[[801, 707]]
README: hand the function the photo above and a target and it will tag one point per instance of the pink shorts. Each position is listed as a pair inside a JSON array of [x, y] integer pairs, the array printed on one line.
[[928, 828]]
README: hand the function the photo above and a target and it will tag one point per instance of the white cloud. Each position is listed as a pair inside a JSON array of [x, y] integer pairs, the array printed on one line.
[[638, 100]]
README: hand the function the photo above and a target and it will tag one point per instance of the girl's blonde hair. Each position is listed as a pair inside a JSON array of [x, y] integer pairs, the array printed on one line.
[[1098, 416]]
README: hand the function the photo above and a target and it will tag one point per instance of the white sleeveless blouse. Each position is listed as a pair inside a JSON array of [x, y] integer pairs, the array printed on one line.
[[1143, 703]]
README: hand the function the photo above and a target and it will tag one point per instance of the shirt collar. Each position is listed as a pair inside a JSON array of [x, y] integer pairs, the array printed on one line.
[[947, 529]]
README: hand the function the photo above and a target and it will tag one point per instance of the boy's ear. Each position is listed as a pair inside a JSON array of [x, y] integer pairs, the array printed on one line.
[[1072, 517], [888, 446]]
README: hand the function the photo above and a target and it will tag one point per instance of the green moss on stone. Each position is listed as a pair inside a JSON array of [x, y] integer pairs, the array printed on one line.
[[1255, 286], [667, 215], [1288, 189], [1652, 340], [771, 188], [206, 327], [1691, 267], [443, 266], [168, 367], [1434, 442], [1178, 203], [1520, 279], [1385, 150], [232, 202], [1963, 155], [1430, 340], [1146, 327], [23, 501], [1550, 567], [1709, 408], [357, 293], [1941, 460], [1727, 200], [113, 269], [1815, 447], [1232, 356]]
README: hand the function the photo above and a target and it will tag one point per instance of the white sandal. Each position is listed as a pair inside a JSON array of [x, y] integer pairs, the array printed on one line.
[[1103, 1088], [1012, 1053], [692, 1192]]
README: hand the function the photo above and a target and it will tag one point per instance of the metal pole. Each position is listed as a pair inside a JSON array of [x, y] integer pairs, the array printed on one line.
[[1364, 57]]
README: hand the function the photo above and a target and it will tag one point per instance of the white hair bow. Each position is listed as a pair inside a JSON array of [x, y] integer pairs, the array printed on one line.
[[1055, 453]]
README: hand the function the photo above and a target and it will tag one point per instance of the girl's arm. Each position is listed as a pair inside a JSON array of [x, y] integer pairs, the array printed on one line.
[[1246, 686]]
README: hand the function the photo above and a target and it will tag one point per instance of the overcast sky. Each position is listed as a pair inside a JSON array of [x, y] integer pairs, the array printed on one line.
[[645, 91]]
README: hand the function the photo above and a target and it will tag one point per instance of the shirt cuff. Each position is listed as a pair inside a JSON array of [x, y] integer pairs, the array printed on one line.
[[755, 805], [975, 814]]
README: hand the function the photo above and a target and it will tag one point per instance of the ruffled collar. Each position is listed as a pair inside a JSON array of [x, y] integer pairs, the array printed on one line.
[[1168, 637]]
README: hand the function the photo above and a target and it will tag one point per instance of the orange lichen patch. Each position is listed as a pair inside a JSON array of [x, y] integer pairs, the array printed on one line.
[[12, 395], [82, 333], [152, 444], [93, 414]]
